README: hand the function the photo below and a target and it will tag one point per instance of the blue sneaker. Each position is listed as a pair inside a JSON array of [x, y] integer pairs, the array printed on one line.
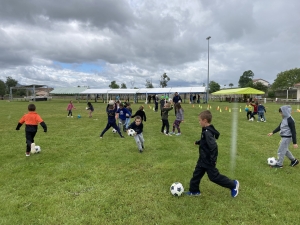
[[235, 191], [192, 193]]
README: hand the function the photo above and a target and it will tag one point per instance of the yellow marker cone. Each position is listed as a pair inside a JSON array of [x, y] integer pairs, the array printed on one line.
[[199, 106], [240, 109], [193, 105], [210, 106], [229, 109], [220, 110]]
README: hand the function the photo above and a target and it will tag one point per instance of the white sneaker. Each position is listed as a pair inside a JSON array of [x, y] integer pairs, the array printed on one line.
[[169, 134], [178, 134], [32, 148]]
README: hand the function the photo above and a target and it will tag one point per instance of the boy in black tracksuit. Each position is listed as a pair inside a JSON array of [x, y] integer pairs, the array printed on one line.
[[208, 150]]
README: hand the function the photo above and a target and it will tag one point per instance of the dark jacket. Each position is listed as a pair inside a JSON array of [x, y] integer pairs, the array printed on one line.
[[137, 129], [208, 148], [140, 113]]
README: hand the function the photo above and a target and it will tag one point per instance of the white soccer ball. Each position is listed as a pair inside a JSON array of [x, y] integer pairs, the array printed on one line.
[[176, 189], [272, 161], [114, 130], [131, 132], [86, 108], [262, 120], [111, 102], [37, 149]]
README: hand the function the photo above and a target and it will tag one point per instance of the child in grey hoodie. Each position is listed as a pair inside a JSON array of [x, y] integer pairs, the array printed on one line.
[[288, 133], [178, 120]]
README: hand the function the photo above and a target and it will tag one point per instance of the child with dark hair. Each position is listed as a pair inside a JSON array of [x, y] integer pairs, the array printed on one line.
[[165, 118], [69, 108], [207, 161], [140, 113], [111, 114], [31, 120], [127, 122], [178, 120], [255, 106], [90, 108], [137, 126], [261, 110], [121, 114], [287, 131]]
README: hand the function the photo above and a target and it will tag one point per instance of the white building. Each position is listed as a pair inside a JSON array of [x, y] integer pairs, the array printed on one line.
[[264, 82]]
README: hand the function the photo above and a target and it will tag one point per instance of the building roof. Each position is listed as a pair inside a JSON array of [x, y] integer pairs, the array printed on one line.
[[85, 90], [257, 80], [69, 90]]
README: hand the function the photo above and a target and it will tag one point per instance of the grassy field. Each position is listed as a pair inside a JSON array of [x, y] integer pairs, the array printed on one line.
[[79, 178]]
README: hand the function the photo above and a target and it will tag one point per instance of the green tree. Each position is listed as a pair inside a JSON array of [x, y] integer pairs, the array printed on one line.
[[149, 84], [214, 86], [286, 79], [260, 86], [2, 88], [10, 82], [164, 80], [123, 86], [246, 79], [114, 85], [230, 85]]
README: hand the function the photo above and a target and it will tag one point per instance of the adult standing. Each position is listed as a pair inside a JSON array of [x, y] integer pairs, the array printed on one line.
[[176, 99]]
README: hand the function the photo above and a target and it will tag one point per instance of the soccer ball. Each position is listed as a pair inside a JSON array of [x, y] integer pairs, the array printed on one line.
[[131, 132], [114, 131], [111, 102], [78, 116], [37, 149], [176, 189], [262, 120], [86, 108], [272, 161], [246, 109]]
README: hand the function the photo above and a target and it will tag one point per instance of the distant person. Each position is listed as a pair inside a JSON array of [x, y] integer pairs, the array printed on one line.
[[162, 103], [178, 120], [207, 161], [141, 113], [261, 110], [255, 106], [176, 99], [156, 101], [248, 109], [111, 110], [31, 120], [165, 120], [70, 108], [137, 126], [287, 131], [90, 108]]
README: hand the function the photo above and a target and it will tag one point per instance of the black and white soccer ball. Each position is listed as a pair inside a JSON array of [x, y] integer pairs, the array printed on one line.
[[131, 132], [176, 189], [114, 130], [262, 120], [272, 161], [37, 149]]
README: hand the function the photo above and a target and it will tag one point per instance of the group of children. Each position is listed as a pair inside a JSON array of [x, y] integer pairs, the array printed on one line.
[[258, 109], [70, 108], [208, 148]]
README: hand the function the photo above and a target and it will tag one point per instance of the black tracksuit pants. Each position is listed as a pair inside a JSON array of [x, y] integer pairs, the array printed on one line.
[[213, 175]]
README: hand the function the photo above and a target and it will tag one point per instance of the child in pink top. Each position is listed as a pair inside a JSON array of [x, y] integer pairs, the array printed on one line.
[[69, 108]]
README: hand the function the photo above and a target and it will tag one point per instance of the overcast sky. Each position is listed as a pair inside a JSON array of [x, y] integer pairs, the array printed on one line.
[[93, 42]]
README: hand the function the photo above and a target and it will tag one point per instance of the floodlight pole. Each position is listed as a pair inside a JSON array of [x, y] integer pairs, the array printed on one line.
[[207, 89]]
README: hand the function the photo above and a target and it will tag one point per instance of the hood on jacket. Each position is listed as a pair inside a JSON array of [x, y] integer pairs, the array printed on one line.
[[286, 111], [213, 130]]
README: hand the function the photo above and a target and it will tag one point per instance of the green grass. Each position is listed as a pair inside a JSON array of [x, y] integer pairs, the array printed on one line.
[[81, 179]]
